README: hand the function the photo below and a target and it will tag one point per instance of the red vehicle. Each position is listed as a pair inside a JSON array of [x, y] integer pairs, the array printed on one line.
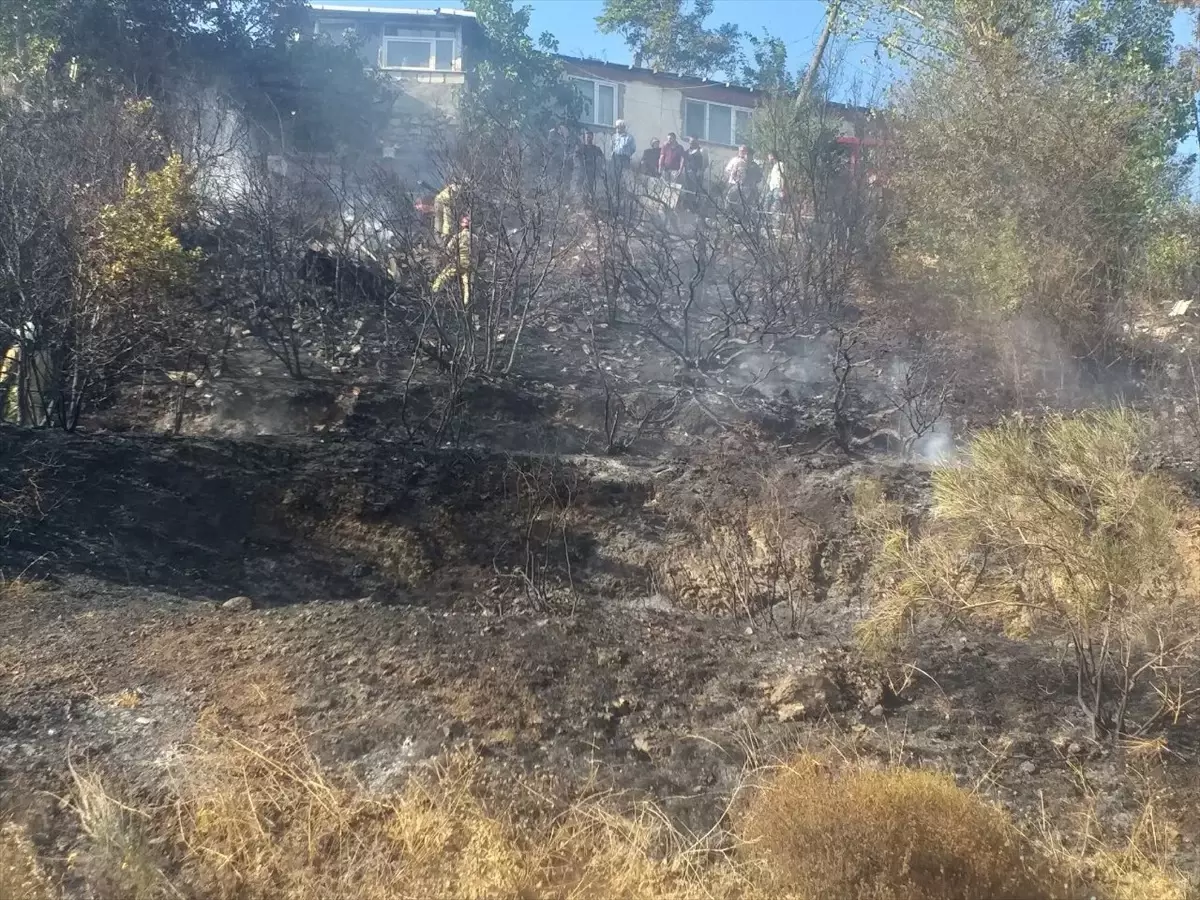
[[859, 154]]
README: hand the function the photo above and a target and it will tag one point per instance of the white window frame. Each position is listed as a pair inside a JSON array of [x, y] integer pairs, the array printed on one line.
[[738, 139], [320, 27], [415, 37], [596, 84]]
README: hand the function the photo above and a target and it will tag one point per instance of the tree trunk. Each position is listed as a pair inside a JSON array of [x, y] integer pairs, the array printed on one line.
[[814, 64]]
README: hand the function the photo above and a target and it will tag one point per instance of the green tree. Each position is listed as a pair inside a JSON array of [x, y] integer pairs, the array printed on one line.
[[149, 42], [1033, 158], [518, 83], [769, 70], [1134, 31], [26, 43], [154, 48], [670, 36]]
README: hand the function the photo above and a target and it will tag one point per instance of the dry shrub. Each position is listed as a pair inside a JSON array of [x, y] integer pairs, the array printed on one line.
[[540, 553], [891, 834], [21, 876], [1052, 530], [742, 559]]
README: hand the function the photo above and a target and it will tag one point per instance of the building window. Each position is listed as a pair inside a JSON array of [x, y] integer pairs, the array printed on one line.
[[599, 101], [432, 49], [336, 30], [717, 123]]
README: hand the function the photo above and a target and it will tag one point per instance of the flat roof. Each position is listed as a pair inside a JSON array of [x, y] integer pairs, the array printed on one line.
[[692, 85], [392, 10], [655, 75]]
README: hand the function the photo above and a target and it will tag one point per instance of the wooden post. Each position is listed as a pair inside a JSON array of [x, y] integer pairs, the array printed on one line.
[[831, 14]]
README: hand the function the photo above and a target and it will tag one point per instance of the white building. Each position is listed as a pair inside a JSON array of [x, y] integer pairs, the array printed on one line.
[[655, 103], [430, 53], [427, 53]]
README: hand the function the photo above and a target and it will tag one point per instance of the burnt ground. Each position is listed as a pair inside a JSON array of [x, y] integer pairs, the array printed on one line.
[[386, 620], [504, 593]]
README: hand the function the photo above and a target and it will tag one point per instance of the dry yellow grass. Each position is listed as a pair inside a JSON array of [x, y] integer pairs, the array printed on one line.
[[19, 589], [21, 876], [118, 861], [265, 821], [1141, 867], [261, 819]]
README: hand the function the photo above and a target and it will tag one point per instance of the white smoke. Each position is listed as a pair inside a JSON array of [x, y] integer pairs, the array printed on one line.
[[937, 445]]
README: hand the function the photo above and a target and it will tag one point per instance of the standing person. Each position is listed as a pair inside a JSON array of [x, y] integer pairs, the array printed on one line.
[[591, 161], [754, 174], [670, 158], [446, 207], [10, 384], [694, 163], [561, 155], [623, 148], [461, 263], [742, 175], [650, 159], [25, 379], [775, 189]]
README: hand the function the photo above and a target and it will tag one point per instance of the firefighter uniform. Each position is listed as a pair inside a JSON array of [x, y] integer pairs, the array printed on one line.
[[25, 379], [444, 218], [9, 387], [461, 264]]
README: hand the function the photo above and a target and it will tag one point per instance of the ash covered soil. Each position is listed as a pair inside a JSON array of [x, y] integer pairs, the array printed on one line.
[[396, 603]]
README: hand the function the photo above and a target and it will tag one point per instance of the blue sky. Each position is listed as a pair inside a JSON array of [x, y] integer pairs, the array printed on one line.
[[573, 22], [1183, 35]]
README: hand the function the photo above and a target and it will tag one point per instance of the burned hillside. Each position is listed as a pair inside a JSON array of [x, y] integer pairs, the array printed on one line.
[[416, 483]]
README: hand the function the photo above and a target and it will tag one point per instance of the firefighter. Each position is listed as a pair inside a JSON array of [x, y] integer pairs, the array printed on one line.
[[461, 263], [25, 379], [443, 207], [10, 407]]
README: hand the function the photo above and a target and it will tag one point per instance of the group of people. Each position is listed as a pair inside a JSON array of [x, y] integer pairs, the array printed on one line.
[[747, 182], [582, 163]]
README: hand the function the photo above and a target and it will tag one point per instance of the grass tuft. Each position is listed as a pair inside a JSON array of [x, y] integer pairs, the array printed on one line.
[[118, 860], [265, 820]]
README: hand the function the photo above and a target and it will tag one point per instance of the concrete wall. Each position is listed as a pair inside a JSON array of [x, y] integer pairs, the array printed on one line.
[[422, 127], [426, 105]]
